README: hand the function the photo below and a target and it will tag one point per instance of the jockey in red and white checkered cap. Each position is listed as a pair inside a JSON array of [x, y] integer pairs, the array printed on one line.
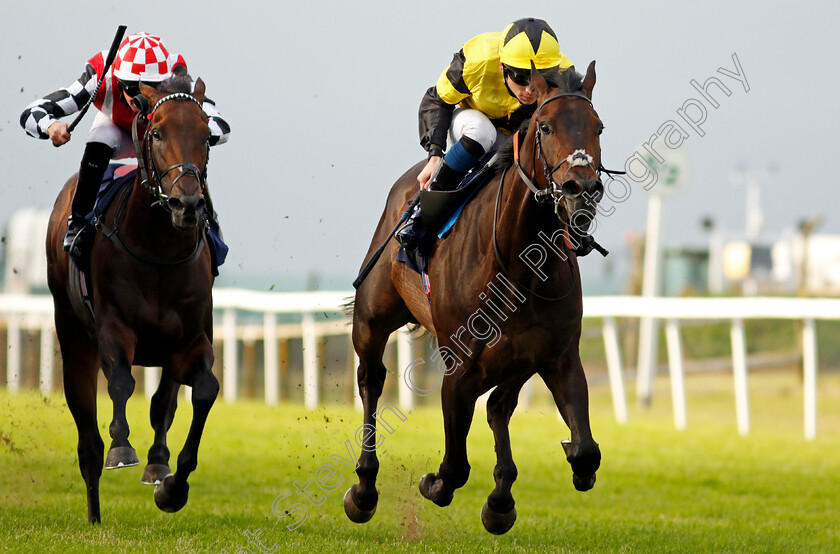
[[142, 57]]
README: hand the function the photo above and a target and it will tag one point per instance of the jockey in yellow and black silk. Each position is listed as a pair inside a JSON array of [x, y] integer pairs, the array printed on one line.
[[482, 97]]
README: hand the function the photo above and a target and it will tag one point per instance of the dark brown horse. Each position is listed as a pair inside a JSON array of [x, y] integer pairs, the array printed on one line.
[[151, 277], [505, 302]]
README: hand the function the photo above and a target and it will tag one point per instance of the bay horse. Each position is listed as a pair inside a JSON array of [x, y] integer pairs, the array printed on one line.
[[505, 301], [150, 269]]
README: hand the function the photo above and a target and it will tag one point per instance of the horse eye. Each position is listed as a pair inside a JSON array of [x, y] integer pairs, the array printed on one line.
[[155, 134], [544, 127]]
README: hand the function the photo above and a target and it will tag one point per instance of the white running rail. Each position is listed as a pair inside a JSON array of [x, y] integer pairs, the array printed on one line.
[[35, 313]]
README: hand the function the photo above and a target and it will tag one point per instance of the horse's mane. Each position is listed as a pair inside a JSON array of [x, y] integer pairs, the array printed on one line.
[[564, 81]]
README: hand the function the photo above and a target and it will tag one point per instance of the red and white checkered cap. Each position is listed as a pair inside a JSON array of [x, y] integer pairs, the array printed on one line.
[[143, 57]]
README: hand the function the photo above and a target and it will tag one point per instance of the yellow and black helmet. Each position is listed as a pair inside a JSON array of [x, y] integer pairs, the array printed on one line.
[[529, 40]]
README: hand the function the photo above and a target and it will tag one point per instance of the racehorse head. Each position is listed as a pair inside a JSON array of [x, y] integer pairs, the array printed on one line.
[[566, 130], [176, 148]]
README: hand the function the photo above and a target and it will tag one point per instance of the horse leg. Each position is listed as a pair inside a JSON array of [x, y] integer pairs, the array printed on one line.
[[567, 384], [162, 412], [80, 392], [499, 513], [116, 364], [171, 494], [80, 374], [361, 499], [458, 396]]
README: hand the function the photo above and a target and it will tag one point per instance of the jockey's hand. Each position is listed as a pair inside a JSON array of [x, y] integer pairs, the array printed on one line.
[[428, 172], [58, 133]]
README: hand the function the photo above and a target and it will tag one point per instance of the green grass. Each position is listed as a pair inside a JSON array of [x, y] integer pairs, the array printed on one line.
[[702, 490]]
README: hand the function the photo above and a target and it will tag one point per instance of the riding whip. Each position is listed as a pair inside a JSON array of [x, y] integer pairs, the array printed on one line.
[[373, 259], [112, 53]]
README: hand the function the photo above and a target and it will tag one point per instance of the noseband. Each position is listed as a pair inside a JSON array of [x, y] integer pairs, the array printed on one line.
[[154, 183]]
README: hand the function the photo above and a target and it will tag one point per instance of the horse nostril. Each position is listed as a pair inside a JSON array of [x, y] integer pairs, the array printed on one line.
[[200, 205], [596, 189], [175, 204], [571, 188]]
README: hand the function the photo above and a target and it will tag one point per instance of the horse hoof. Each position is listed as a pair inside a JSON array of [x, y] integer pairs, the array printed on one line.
[[434, 493], [154, 474], [167, 498], [353, 512], [121, 456], [583, 483], [496, 523]]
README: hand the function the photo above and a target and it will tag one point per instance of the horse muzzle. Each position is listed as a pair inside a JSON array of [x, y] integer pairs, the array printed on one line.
[[581, 196], [186, 210]]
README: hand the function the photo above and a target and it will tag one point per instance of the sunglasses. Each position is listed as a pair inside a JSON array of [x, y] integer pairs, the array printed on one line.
[[521, 79]]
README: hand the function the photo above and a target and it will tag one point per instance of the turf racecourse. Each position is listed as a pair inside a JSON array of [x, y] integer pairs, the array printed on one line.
[[659, 490]]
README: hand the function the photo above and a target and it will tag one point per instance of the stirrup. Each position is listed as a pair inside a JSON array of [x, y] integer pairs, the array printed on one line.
[[75, 225], [77, 243]]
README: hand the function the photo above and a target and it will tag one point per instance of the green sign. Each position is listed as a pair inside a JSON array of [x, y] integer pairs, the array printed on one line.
[[673, 174]]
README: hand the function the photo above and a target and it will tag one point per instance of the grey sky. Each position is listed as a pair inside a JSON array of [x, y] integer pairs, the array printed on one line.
[[322, 99]]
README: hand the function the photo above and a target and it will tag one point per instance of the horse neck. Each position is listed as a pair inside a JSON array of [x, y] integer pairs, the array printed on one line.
[[527, 230], [149, 228]]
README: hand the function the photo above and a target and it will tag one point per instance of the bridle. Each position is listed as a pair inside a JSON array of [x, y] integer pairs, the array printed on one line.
[[154, 187], [577, 158], [553, 192], [152, 178]]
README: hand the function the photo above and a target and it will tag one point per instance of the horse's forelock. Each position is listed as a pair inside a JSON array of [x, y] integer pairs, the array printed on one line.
[[566, 81], [177, 82]]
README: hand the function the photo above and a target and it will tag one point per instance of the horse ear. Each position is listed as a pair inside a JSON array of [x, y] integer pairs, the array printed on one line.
[[589, 80], [198, 90], [538, 83], [151, 93]]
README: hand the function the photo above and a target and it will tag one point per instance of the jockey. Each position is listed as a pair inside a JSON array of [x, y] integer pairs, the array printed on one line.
[[484, 91], [141, 57]]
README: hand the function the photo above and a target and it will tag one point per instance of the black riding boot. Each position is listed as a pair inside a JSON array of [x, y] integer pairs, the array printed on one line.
[[445, 178], [94, 163]]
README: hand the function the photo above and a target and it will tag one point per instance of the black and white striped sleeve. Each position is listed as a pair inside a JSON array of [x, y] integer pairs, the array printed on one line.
[[219, 128], [40, 114]]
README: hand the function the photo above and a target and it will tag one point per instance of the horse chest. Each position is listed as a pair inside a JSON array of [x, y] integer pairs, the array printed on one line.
[[154, 322]]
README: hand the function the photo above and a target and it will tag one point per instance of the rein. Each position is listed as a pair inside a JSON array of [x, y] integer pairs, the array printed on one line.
[[154, 187], [506, 271]]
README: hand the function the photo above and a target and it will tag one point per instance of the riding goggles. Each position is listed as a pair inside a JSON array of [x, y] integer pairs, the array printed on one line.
[[521, 79], [132, 88]]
